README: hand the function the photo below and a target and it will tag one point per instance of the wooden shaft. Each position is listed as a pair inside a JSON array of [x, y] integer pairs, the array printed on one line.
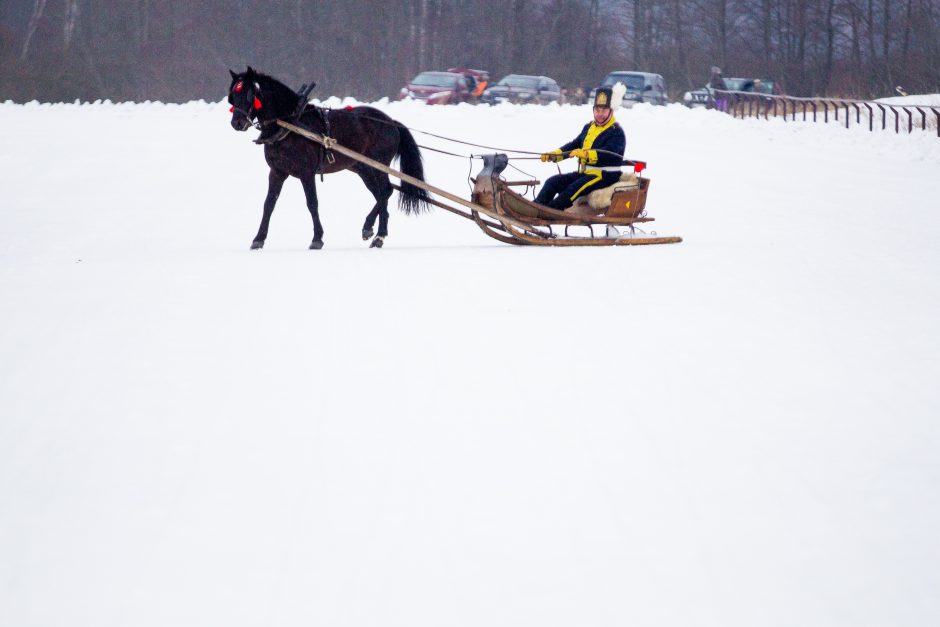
[[453, 210], [352, 154], [437, 203]]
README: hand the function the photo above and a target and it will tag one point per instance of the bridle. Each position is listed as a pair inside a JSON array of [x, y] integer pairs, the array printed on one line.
[[252, 98]]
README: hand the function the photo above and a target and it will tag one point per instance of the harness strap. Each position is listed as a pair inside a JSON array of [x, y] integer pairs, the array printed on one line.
[[273, 139], [326, 121]]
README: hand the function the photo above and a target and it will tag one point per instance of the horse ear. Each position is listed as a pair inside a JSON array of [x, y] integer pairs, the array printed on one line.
[[234, 75], [251, 71]]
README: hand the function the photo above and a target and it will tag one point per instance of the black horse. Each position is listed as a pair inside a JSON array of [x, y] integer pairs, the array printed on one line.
[[368, 131]]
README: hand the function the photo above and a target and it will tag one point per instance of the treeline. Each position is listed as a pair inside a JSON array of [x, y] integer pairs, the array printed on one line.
[[177, 50]]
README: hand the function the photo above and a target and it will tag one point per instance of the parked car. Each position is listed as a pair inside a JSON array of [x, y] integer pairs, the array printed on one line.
[[524, 89], [641, 87], [473, 77], [704, 97], [437, 88]]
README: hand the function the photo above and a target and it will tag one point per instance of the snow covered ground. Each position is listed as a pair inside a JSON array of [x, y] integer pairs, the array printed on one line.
[[923, 100], [737, 430]]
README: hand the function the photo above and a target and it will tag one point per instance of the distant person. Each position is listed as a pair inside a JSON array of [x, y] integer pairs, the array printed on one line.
[[717, 82], [759, 87], [599, 150], [579, 96], [481, 85]]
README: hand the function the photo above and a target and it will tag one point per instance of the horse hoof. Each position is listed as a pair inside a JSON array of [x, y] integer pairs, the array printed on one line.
[[377, 242], [257, 245], [316, 244], [367, 233]]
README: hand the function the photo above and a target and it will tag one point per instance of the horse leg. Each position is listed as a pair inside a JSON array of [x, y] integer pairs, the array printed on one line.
[[381, 188], [276, 180], [367, 230], [310, 191]]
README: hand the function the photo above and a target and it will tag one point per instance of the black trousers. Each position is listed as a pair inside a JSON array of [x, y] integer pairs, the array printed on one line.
[[560, 191]]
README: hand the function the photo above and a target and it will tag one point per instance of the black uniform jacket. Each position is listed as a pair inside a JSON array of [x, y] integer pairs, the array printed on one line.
[[609, 138]]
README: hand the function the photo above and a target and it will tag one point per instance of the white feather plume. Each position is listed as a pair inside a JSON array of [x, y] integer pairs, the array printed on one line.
[[617, 93]]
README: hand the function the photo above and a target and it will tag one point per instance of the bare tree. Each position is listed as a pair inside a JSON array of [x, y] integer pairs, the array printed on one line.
[[71, 18], [38, 7]]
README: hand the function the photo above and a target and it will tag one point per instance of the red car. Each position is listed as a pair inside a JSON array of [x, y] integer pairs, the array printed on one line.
[[437, 88]]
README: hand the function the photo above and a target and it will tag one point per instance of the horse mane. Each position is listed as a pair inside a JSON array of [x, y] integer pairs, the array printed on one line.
[[277, 97]]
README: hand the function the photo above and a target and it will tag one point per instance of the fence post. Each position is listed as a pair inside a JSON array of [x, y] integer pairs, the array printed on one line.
[[814, 110], [825, 112], [846, 105], [884, 117], [897, 120], [858, 114], [923, 118], [871, 118]]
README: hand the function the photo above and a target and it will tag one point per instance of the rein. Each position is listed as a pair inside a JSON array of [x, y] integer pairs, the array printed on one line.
[[465, 143]]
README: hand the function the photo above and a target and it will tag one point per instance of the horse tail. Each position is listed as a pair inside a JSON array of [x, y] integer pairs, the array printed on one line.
[[412, 199]]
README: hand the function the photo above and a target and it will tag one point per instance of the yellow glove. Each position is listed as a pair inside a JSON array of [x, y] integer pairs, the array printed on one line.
[[579, 153], [554, 155]]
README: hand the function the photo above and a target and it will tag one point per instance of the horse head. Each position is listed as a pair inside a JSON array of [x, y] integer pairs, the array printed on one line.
[[256, 96], [246, 98]]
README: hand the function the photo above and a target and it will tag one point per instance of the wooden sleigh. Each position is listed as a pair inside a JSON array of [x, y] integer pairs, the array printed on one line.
[[509, 217], [614, 210]]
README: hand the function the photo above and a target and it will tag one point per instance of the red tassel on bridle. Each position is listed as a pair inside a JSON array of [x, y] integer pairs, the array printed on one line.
[[256, 102]]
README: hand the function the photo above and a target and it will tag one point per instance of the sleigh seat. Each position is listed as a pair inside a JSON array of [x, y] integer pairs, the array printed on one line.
[[624, 199]]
